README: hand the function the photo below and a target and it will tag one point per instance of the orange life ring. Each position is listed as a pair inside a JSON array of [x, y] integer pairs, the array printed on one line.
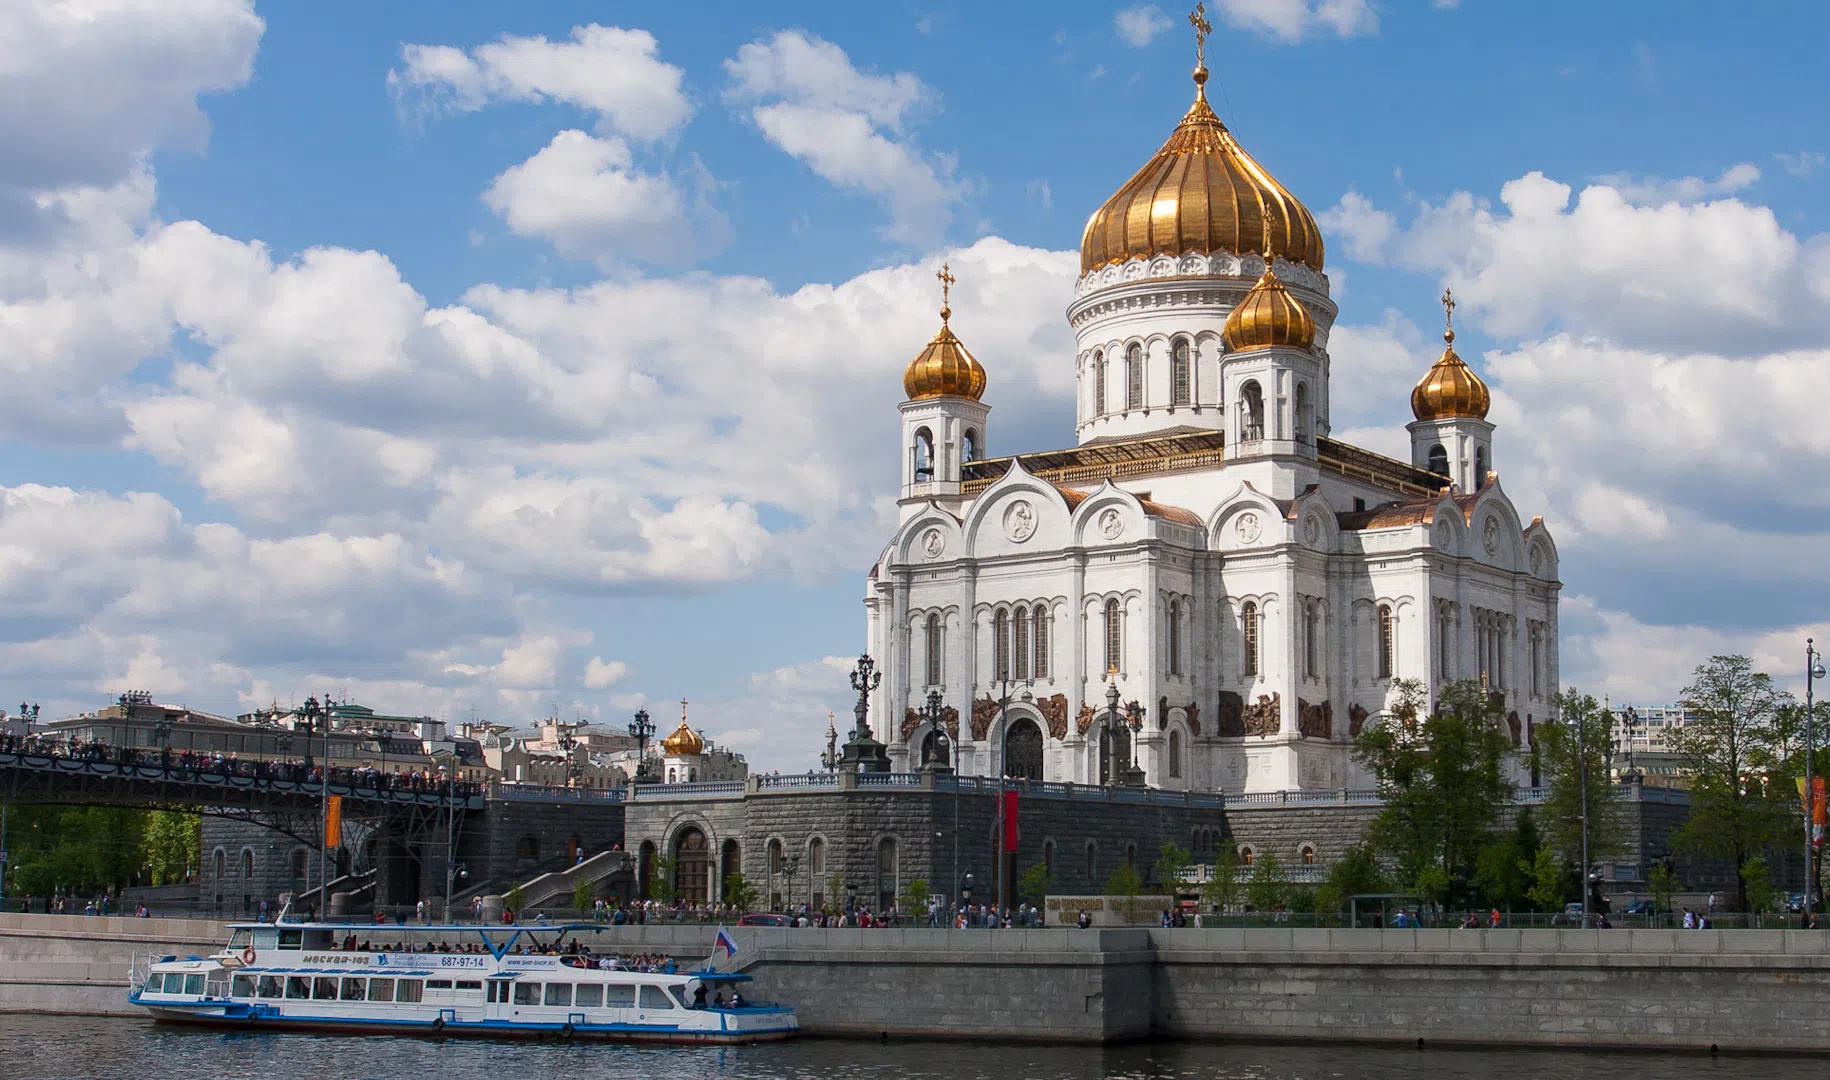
[[247, 955]]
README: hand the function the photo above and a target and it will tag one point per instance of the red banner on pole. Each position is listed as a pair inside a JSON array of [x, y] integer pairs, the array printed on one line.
[[1010, 821]]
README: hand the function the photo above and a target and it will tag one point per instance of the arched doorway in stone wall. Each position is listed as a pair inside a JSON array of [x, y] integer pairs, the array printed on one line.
[[692, 866], [1023, 750], [730, 861]]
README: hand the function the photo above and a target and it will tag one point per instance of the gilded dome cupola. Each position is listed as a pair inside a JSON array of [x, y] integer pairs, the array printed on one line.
[[944, 368], [1269, 317], [1201, 193], [684, 742], [1450, 388]]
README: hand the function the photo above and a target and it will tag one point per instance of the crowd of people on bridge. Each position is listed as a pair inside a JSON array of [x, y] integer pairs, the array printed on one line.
[[216, 763]]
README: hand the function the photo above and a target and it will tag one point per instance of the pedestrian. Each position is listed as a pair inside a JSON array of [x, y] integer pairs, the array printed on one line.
[[1493, 919]]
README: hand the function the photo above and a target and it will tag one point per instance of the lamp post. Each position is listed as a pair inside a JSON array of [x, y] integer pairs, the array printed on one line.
[[863, 753], [641, 729], [315, 715], [790, 865], [1582, 781], [568, 741], [1814, 670], [999, 887]]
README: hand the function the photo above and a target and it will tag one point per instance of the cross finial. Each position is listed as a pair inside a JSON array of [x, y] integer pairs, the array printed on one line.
[[683, 710], [946, 288], [1448, 316], [1198, 19]]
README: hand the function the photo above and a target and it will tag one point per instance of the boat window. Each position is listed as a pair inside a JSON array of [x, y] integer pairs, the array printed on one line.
[[491, 997], [193, 984], [292, 939], [619, 997], [409, 990], [174, 982], [559, 993], [654, 998], [352, 989], [240, 940], [438, 984], [241, 986], [217, 989], [381, 989], [589, 995], [298, 986], [271, 986], [323, 989], [469, 984], [527, 993], [680, 995]]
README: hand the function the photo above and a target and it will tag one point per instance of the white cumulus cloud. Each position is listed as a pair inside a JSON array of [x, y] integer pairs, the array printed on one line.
[[1292, 20], [1140, 25]]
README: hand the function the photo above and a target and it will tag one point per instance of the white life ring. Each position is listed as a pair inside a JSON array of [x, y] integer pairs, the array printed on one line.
[[247, 956]]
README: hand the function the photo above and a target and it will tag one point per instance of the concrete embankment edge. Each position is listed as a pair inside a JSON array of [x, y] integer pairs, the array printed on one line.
[[1638, 989]]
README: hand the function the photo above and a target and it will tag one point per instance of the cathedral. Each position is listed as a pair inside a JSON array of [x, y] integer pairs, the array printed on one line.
[[1206, 591]]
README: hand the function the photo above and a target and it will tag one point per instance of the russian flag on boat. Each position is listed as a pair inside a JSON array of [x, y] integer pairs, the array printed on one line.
[[725, 942]]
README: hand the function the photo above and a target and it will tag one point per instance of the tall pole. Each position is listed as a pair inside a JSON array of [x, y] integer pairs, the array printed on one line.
[[1582, 776], [1813, 670], [997, 767]]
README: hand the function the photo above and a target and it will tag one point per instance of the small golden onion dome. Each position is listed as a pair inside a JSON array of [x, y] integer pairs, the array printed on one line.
[[1450, 388], [1269, 317], [684, 742], [1201, 193], [944, 368]]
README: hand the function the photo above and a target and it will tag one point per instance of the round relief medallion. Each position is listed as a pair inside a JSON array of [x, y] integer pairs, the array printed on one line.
[[1490, 536], [1537, 566], [1312, 531], [933, 543], [1020, 522], [1248, 528], [1444, 535], [1111, 523]]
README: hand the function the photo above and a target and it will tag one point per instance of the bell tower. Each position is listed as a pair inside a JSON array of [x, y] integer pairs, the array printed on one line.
[[943, 420], [1451, 435]]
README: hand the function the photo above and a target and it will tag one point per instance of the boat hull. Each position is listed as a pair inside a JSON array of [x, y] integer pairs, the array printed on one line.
[[482, 1029]]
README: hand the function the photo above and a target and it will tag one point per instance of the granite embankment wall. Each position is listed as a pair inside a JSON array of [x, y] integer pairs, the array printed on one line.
[[1647, 989], [78, 964]]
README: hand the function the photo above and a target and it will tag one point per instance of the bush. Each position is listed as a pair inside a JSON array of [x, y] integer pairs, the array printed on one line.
[[738, 892], [1125, 882], [1761, 896], [1267, 890], [581, 894], [514, 898]]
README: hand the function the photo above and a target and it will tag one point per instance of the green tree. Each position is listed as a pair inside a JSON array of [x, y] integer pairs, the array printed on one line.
[[1033, 885], [1126, 883], [915, 898], [835, 892], [1503, 872], [1550, 881], [1567, 761], [1266, 889], [1444, 783], [173, 846], [1664, 885], [514, 898], [1356, 872], [582, 893], [661, 879], [739, 892], [1222, 888], [1724, 747], [1757, 885], [1171, 865]]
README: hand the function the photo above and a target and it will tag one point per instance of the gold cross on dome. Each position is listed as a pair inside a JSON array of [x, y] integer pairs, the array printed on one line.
[[1198, 19], [946, 288], [683, 710], [1448, 315]]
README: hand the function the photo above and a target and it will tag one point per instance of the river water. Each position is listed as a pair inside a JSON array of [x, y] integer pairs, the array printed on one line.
[[66, 1048]]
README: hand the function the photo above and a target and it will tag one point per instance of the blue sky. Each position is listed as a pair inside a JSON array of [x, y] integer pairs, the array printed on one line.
[[507, 359]]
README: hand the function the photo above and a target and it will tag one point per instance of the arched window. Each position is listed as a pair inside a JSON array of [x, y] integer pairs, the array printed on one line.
[[887, 884], [1180, 383], [1131, 856], [1248, 627], [934, 647], [1385, 641], [1175, 637], [924, 455], [1000, 644], [816, 855], [1444, 625], [301, 867], [1114, 635], [221, 862], [1246, 855], [1134, 377], [1251, 413], [1175, 754], [1312, 618], [1041, 635], [1307, 854], [1480, 468], [1300, 420], [1093, 860], [1099, 384], [1020, 625], [1048, 859], [1439, 459], [247, 865], [969, 446]]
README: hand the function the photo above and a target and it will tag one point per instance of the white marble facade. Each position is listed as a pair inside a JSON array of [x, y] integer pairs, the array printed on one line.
[[1181, 528]]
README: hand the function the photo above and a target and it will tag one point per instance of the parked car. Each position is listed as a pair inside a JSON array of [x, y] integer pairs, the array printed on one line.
[[1641, 907], [1571, 915], [765, 918]]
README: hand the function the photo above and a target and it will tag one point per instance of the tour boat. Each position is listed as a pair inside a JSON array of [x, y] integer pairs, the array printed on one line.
[[516, 981]]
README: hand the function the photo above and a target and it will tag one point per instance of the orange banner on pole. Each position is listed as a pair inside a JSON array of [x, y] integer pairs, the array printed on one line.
[[1818, 806], [333, 821]]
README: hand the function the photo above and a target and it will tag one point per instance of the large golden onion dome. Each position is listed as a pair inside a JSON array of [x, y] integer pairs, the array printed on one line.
[[1450, 388], [1201, 193], [1269, 317], [684, 742], [944, 368]]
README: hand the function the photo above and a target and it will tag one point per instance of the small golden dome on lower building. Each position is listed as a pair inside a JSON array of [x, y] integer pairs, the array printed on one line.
[[1450, 388], [944, 368], [684, 742], [1269, 317]]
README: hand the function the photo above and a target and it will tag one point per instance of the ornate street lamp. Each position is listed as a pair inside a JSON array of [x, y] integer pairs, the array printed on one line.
[[935, 714], [863, 753], [1814, 670], [641, 729], [568, 741]]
